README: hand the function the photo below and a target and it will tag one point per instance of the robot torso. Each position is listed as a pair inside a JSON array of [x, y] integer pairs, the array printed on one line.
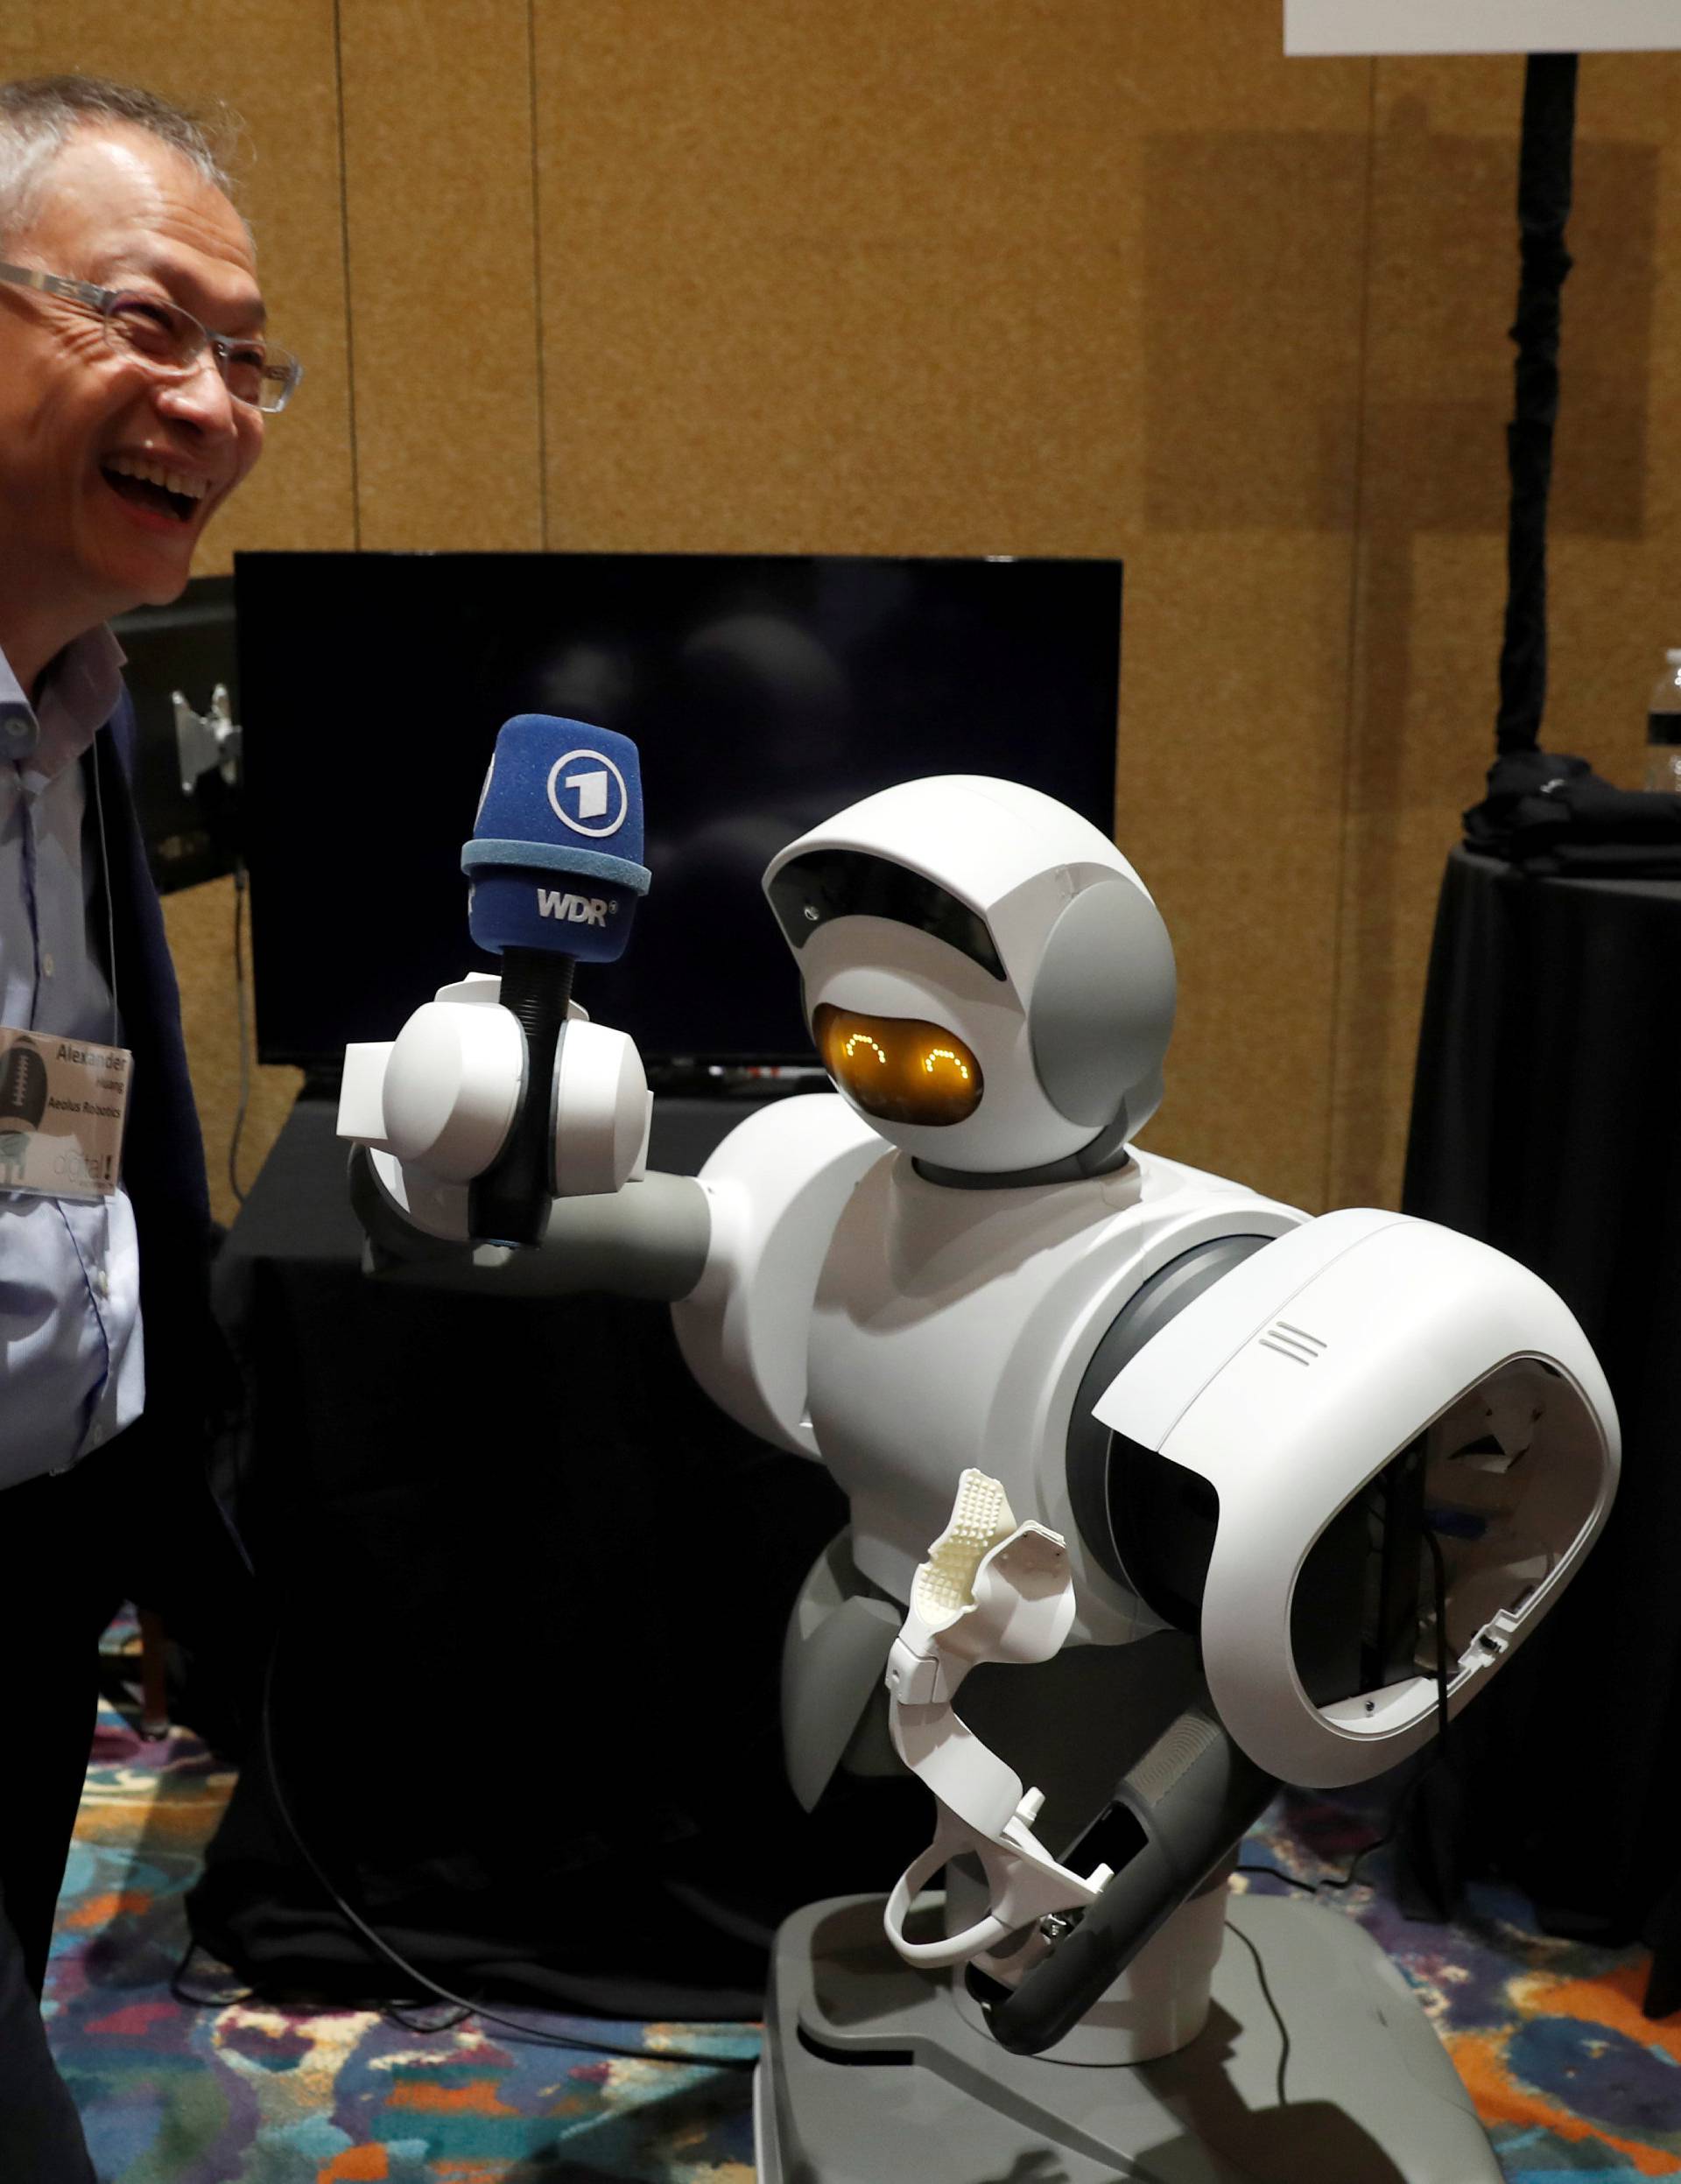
[[953, 1327], [902, 1331]]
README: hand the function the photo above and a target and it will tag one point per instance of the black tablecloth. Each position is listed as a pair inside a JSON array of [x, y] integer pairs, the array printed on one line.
[[529, 1588], [1547, 1121]]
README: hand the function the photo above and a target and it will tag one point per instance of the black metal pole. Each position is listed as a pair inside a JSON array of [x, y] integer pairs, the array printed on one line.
[[1543, 209]]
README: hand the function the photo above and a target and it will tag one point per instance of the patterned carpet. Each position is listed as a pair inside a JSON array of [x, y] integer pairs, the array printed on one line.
[[239, 2093], [1565, 2072]]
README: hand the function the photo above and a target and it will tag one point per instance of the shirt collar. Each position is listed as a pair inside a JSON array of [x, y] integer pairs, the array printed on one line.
[[79, 694]]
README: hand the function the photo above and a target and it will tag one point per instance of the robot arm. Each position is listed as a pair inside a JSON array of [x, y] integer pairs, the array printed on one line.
[[648, 1239], [738, 1250], [1360, 1386], [1379, 1450]]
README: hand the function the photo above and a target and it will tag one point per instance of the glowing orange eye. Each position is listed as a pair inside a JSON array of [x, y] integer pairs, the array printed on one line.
[[900, 1068]]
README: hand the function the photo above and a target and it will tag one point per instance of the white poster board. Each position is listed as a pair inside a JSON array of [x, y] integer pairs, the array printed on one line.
[[1482, 26]]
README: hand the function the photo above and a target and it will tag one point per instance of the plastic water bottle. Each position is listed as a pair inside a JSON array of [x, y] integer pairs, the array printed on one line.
[[1663, 729]]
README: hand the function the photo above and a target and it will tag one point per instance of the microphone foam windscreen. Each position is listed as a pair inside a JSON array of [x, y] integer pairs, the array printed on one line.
[[555, 860]]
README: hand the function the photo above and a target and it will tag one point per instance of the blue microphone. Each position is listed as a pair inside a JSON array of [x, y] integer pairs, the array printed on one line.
[[555, 871]]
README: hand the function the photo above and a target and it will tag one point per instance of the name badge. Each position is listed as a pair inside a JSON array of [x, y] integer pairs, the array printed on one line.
[[62, 1109]]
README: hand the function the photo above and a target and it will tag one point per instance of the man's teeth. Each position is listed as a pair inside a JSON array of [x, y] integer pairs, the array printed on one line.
[[155, 473]]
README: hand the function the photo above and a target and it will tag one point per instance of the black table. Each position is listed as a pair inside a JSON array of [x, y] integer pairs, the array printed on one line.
[[529, 1588], [1547, 1121]]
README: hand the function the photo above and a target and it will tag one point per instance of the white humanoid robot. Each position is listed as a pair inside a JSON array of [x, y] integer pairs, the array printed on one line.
[[1189, 1493]]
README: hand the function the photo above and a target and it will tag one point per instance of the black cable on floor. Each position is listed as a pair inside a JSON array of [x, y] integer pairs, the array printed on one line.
[[463, 2003], [1277, 2018]]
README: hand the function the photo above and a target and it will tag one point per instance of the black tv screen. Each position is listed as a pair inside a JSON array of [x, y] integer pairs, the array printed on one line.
[[764, 693]]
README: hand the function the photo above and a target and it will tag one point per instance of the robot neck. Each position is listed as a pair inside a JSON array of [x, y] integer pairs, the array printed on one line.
[[1107, 1155]]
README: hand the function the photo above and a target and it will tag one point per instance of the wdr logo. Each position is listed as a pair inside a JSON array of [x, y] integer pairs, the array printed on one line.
[[576, 910], [586, 792]]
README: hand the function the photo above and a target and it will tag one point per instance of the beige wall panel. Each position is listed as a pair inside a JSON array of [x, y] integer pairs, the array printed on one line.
[[867, 276], [1232, 810], [1251, 321], [200, 921], [1444, 275], [1031, 279], [1039, 277], [440, 210], [827, 276], [276, 68]]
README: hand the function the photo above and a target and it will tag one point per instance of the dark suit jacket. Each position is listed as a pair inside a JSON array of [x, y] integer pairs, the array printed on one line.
[[163, 1157], [151, 1529]]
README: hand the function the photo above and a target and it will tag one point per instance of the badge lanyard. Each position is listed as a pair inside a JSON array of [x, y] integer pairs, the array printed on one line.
[[105, 889]]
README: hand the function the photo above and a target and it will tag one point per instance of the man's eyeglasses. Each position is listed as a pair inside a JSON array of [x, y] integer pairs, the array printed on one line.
[[170, 341]]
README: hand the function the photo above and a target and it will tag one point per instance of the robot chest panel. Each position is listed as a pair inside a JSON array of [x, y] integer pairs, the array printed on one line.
[[949, 1327]]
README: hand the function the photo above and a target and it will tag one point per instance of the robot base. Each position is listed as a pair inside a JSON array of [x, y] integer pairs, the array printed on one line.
[[871, 2076]]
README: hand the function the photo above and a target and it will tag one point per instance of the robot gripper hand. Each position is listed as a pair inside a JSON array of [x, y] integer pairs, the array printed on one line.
[[500, 1096], [434, 1109], [1054, 1936]]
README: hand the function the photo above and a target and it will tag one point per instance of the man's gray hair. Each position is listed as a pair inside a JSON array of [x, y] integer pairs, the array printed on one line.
[[38, 115]]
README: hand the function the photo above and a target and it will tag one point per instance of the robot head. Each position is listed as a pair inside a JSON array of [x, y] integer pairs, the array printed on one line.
[[986, 980]]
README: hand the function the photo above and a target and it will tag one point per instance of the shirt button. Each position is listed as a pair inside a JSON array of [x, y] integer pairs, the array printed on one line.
[[95, 1436], [47, 966], [102, 1282]]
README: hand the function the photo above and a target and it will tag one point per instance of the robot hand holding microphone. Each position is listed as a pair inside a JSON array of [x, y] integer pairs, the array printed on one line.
[[500, 1095]]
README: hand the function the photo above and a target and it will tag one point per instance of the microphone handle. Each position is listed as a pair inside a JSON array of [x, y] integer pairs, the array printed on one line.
[[510, 1203]]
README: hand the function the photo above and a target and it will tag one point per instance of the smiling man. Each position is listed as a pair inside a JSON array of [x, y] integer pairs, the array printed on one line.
[[135, 382]]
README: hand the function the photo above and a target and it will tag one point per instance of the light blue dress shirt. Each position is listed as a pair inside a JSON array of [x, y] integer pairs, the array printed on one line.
[[72, 1362]]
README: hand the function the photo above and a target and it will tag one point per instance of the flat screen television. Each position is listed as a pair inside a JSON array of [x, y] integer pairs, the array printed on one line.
[[764, 693]]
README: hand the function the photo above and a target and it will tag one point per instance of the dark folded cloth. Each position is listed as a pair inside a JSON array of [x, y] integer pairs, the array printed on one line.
[[1550, 814]]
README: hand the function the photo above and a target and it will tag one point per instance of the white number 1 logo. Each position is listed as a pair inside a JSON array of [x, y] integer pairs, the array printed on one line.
[[591, 794], [603, 798]]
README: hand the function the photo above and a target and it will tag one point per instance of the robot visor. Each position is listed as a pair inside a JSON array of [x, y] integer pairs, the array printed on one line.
[[900, 1068]]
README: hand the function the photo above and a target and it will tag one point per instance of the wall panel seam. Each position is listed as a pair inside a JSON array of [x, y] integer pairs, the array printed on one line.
[[537, 288], [344, 252], [1341, 941]]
